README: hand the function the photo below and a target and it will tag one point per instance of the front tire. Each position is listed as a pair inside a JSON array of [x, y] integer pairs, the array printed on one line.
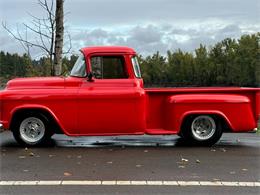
[[201, 130], [31, 130]]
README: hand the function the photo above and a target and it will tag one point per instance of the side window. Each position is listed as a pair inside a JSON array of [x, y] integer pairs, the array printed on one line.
[[109, 67], [136, 67]]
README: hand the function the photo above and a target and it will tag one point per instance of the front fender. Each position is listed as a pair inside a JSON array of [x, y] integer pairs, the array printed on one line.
[[34, 107]]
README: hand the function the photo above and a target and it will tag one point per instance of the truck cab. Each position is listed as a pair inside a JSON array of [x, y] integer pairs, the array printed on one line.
[[111, 88]]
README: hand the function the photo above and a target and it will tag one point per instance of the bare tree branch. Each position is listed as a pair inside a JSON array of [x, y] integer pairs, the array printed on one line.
[[70, 44], [37, 32], [19, 38], [49, 36], [24, 45]]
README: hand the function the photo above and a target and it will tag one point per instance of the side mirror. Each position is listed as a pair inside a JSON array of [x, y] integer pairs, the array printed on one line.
[[90, 77]]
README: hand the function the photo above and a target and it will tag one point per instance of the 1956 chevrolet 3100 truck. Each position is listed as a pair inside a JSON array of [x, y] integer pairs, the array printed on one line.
[[104, 95]]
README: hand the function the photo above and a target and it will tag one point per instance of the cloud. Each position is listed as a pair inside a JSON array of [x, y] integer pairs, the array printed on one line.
[[151, 38], [110, 12], [146, 25]]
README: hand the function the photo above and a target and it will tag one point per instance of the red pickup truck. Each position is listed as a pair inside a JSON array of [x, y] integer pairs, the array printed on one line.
[[104, 95]]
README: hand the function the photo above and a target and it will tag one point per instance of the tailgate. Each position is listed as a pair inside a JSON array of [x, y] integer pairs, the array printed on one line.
[[257, 105]]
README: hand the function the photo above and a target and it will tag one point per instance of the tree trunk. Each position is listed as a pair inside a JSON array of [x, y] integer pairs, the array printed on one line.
[[58, 37]]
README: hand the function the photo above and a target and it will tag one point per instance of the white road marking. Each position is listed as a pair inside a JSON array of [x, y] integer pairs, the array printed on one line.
[[155, 183], [230, 183], [84, 182], [210, 183], [6, 183], [170, 183], [123, 183], [139, 183], [188, 183], [24, 183], [109, 183], [246, 184], [130, 183], [257, 184]]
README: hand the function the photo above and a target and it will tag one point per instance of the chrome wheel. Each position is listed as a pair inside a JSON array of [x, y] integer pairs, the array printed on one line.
[[203, 127], [32, 130]]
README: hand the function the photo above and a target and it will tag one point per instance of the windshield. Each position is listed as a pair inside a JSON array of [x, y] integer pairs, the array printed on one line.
[[136, 67], [79, 68]]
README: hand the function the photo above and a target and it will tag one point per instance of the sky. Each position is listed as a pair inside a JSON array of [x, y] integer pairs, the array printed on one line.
[[146, 25]]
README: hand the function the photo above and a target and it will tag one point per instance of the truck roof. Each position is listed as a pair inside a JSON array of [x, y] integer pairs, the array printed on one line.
[[108, 49]]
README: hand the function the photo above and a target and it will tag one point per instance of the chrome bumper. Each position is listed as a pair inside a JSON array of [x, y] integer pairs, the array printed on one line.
[[1, 127]]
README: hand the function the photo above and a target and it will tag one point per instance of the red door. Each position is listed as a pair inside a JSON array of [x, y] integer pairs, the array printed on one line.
[[112, 103]]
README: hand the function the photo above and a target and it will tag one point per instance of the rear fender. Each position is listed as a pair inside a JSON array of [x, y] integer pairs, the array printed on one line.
[[235, 109]]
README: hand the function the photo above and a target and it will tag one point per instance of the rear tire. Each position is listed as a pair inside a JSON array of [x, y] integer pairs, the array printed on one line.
[[201, 130], [31, 130]]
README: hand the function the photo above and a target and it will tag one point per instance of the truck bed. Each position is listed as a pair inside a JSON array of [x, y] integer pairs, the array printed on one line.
[[158, 105]]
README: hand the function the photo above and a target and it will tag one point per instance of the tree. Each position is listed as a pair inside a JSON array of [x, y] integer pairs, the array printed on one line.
[[202, 70], [59, 37], [229, 62], [49, 31]]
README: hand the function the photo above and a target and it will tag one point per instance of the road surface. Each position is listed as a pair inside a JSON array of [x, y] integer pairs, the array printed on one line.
[[131, 165]]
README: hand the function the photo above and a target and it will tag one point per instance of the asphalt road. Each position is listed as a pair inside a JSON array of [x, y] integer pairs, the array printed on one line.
[[236, 158]]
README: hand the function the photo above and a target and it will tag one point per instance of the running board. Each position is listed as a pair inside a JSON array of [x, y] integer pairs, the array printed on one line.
[[159, 132]]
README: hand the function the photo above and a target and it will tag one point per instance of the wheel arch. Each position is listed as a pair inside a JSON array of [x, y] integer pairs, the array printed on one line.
[[225, 122], [39, 109]]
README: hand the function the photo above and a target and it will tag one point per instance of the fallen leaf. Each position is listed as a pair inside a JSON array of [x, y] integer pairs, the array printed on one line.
[[145, 151], [232, 172], [244, 169], [197, 161], [21, 157], [25, 170], [184, 160], [31, 154], [181, 166], [138, 166], [213, 150], [67, 174], [25, 149], [110, 162], [51, 155]]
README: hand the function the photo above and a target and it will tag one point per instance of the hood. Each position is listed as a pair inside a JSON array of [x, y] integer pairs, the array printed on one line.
[[36, 83]]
